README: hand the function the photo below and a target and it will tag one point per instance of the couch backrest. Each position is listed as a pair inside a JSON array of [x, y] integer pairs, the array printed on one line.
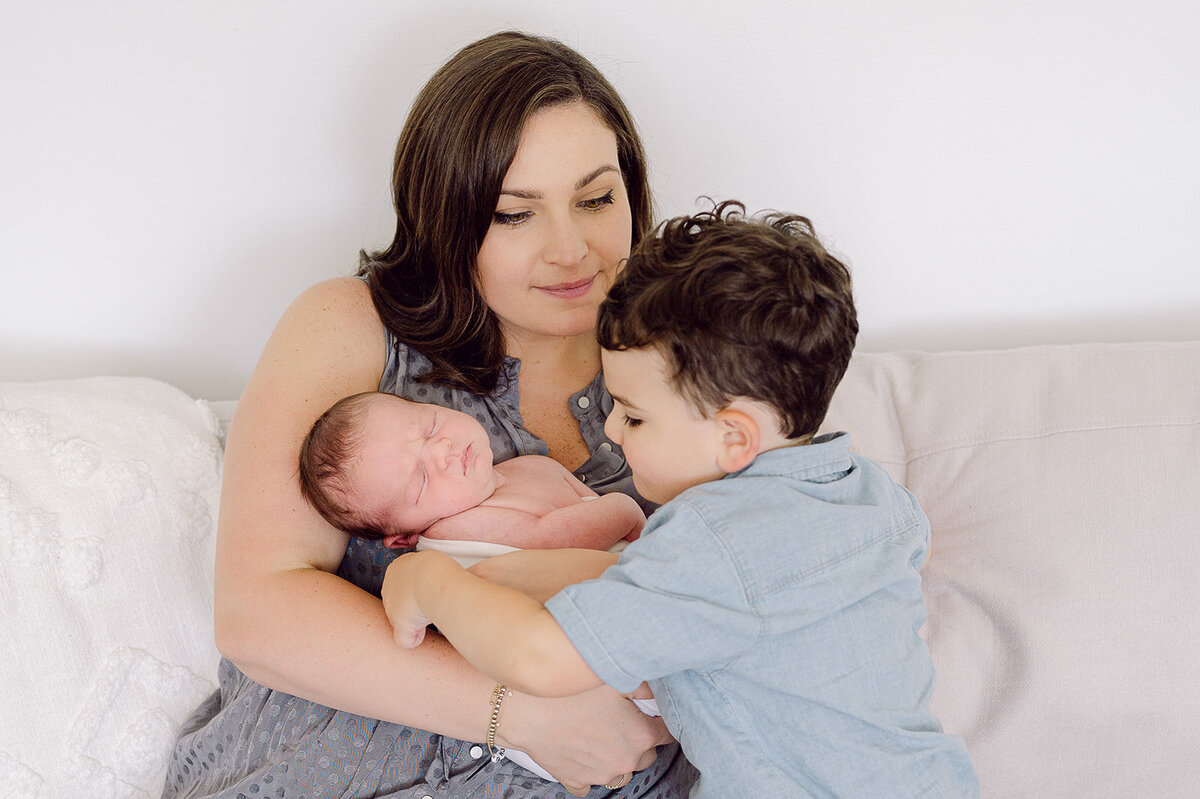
[[1063, 488]]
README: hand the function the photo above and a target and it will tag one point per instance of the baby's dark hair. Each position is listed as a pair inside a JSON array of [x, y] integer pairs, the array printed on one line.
[[738, 306], [325, 456]]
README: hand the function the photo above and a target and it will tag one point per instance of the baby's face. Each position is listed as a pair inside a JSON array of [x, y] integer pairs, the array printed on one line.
[[420, 463]]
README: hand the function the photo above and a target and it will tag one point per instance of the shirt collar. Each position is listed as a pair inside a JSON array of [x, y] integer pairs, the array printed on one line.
[[827, 456]]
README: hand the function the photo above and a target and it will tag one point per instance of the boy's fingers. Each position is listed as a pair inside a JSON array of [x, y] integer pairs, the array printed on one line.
[[411, 639]]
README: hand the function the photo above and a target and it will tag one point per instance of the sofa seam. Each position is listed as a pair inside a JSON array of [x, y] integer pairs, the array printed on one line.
[[926, 452]]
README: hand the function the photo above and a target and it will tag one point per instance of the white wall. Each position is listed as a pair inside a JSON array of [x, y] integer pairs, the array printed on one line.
[[995, 173]]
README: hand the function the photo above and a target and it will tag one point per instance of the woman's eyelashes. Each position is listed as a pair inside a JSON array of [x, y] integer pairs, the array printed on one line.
[[598, 203], [511, 219], [519, 217]]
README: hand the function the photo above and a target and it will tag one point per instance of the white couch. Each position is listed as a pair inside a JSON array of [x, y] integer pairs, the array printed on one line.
[[1063, 484]]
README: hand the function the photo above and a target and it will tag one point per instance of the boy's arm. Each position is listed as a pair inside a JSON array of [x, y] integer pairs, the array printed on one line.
[[503, 633], [542, 573]]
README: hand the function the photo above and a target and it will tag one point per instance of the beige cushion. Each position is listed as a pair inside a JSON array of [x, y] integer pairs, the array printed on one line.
[[1063, 487]]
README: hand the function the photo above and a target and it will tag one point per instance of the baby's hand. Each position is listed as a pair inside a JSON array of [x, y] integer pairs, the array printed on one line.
[[400, 601]]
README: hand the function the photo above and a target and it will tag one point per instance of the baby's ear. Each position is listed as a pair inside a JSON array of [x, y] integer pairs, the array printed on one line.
[[399, 541], [739, 439]]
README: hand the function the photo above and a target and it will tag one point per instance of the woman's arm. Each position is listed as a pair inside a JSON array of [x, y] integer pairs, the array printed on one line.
[[281, 615], [292, 625]]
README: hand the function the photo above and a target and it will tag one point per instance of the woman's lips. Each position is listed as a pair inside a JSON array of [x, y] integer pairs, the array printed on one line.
[[569, 291]]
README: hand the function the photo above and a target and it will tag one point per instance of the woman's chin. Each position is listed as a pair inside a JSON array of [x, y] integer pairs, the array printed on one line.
[[566, 325]]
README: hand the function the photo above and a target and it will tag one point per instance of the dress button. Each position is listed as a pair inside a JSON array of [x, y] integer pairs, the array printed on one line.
[[476, 752], [584, 402], [583, 478], [606, 446], [426, 796]]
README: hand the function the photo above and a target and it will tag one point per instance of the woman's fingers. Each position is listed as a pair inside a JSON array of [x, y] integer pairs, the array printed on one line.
[[583, 740]]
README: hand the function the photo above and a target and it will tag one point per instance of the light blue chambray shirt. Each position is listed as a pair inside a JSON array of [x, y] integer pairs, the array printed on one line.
[[775, 614]]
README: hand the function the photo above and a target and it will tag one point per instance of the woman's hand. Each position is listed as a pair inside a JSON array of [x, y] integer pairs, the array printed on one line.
[[584, 740]]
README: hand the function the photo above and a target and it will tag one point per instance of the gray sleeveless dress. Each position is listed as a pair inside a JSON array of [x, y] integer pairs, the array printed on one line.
[[250, 742]]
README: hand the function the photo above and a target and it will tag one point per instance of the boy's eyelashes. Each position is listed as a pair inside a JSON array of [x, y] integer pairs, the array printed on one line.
[[630, 421]]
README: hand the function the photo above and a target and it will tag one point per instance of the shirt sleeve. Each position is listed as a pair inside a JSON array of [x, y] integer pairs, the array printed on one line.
[[674, 602]]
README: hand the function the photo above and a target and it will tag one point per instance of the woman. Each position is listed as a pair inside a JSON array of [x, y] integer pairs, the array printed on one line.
[[519, 186]]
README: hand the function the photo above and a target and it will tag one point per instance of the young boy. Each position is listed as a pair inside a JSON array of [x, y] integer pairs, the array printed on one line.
[[773, 602], [379, 466]]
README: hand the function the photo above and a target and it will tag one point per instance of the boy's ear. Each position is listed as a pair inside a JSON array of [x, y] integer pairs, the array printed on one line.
[[739, 442]]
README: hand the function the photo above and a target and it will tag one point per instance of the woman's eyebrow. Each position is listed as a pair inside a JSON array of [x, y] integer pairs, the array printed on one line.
[[595, 173], [531, 194]]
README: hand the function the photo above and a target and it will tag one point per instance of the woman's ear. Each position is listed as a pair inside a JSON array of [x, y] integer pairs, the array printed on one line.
[[739, 439]]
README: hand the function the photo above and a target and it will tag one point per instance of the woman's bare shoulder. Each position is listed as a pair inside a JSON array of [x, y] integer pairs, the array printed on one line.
[[330, 331], [339, 301], [328, 344]]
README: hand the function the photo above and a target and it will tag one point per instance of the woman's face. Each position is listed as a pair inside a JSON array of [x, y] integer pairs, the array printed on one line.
[[561, 229]]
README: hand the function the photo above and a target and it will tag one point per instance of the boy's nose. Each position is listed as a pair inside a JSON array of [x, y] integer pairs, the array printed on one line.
[[612, 429]]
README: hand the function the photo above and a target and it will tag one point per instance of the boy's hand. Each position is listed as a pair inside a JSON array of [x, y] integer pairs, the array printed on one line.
[[399, 596]]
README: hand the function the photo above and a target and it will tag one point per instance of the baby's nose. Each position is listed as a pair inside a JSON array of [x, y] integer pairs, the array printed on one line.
[[443, 452]]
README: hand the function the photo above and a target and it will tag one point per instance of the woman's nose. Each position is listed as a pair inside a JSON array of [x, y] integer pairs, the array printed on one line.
[[566, 245]]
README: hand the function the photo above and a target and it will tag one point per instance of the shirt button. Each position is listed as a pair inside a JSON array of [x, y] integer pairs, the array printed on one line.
[[584, 402], [606, 446], [476, 752]]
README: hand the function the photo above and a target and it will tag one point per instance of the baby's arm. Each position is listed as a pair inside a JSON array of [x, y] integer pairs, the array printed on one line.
[[595, 524], [482, 619]]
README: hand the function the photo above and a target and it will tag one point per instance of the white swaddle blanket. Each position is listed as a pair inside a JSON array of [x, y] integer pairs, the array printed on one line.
[[468, 553]]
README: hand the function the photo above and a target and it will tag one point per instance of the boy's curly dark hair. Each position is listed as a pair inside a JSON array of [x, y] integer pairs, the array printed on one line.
[[738, 306]]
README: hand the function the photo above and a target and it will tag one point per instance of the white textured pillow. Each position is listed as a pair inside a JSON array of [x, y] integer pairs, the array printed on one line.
[[108, 497], [1063, 487]]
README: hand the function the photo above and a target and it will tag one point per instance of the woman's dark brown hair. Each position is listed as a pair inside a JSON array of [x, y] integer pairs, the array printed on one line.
[[456, 146]]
